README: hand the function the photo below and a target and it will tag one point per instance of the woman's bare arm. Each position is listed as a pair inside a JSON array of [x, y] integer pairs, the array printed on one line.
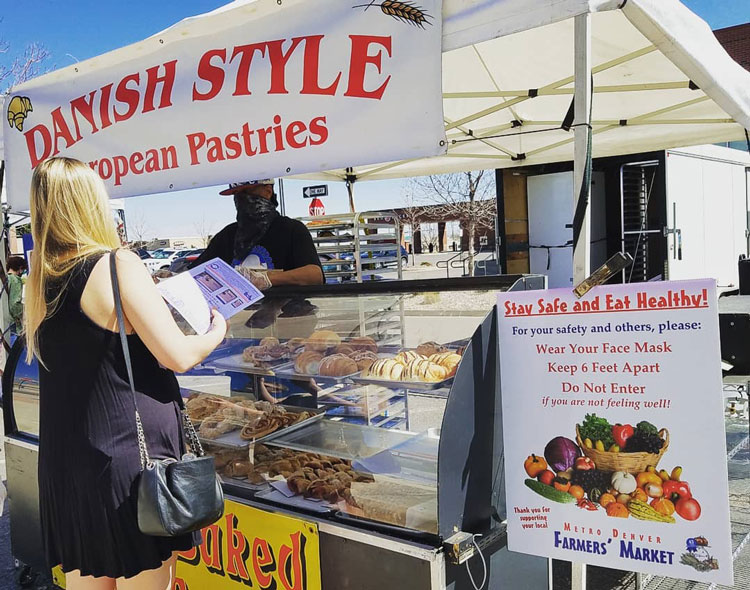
[[147, 314]]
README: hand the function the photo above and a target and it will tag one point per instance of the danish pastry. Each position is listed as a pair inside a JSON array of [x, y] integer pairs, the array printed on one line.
[[407, 356], [363, 343], [322, 340], [386, 369], [447, 360], [364, 358], [424, 370]]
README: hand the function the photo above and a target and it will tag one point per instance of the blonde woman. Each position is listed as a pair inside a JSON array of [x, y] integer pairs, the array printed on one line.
[[88, 454]]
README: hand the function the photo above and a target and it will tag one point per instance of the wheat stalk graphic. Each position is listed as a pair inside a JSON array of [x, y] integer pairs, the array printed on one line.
[[406, 12]]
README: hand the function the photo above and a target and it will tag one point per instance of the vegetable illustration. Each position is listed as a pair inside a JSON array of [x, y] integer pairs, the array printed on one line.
[[676, 489], [653, 490], [664, 474], [588, 444], [597, 428], [561, 484], [676, 473], [561, 453], [606, 499], [599, 445], [614, 449], [584, 464], [646, 477], [534, 465], [621, 433], [639, 494], [643, 511], [623, 482], [646, 428], [549, 492], [576, 492], [618, 510], [546, 477], [623, 499], [595, 494], [688, 508], [663, 506]]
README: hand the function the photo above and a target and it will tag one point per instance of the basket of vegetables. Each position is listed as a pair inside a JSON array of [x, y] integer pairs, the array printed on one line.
[[621, 447]]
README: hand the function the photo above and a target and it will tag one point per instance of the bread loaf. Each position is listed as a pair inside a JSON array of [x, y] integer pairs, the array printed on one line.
[[269, 341], [308, 363], [407, 356], [386, 369], [322, 340], [337, 365], [344, 349], [447, 360], [429, 348]]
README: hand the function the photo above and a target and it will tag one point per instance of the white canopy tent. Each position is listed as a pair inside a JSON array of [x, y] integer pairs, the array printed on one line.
[[660, 78]]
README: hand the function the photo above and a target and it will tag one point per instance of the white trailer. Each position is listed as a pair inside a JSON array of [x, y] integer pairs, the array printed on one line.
[[681, 213]]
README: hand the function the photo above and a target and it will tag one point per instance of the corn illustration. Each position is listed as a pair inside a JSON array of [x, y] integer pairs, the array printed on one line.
[[18, 109]]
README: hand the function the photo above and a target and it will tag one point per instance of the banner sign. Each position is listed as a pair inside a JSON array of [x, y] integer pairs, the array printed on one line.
[[276, 90], [615, 451], [251, 548]]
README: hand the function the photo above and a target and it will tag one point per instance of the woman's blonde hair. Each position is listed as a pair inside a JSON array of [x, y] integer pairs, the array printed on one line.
[[70, 220]]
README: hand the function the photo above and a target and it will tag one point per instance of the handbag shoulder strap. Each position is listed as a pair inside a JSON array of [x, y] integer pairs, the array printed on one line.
[[142, 449], [188, 430]]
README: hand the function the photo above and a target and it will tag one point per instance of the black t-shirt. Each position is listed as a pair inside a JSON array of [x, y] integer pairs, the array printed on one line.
[[287, 245]]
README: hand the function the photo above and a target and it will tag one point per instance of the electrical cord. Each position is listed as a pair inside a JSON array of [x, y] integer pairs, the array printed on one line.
[[484, 565]]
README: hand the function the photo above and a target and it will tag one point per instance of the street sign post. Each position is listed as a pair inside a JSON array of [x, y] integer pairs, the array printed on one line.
[[311, 192]]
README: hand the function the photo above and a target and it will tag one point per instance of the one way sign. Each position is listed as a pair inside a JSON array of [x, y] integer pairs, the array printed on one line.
[[311, 192]]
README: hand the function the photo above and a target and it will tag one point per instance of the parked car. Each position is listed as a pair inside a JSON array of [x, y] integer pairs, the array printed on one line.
[[162, 259], [182, 262], [142, 253]]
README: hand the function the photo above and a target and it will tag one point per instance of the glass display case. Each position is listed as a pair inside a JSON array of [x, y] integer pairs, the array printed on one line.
[[372, 407]]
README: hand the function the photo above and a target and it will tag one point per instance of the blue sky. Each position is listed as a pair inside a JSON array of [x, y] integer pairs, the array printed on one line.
[[79, 29]]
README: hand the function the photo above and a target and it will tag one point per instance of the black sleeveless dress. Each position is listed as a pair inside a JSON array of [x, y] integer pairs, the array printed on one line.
[[88, 452]]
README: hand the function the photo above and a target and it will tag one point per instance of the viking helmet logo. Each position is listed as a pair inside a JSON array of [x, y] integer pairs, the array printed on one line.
[[18, 109]]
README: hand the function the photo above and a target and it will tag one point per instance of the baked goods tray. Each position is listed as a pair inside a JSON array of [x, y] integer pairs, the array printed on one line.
[[412, 385], [233, 440], [287, 371], [235, 363]]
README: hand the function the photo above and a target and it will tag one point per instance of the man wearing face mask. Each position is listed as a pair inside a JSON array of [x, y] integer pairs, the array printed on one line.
[[269, 248]]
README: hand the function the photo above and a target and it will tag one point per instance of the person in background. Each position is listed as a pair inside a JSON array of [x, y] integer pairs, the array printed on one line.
[[89, 461], [265, 246], [16, 267]]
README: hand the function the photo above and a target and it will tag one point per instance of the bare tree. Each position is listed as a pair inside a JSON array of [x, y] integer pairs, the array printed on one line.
[[204, 230], [409, 215], [138, 228], [23, 67], [467, 196]]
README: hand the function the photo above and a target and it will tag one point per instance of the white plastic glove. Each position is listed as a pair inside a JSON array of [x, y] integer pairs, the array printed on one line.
[[258, 278]]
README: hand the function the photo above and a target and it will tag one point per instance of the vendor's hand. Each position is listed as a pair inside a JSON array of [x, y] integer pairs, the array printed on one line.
[[259, 279]]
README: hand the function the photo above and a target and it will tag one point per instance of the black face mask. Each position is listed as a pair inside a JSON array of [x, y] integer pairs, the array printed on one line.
[[254, 216]]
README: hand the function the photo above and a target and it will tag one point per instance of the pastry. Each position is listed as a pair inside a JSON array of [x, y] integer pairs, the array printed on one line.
[[322, 340], [447, 360], [294, 344], [430, 348], [298, 485], [344, 349], [424, 370], [308, 363], [386, 369], [202, 406], [406, 356], [363, 343], [269, 341], [363, 358], [240, 468], [216, 425], [337, 365]]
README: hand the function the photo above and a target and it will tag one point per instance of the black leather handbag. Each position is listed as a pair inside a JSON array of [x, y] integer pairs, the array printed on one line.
[[175, 497]]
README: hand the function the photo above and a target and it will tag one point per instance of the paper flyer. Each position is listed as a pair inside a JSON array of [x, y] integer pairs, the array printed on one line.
[[615, 451], [213, 284]]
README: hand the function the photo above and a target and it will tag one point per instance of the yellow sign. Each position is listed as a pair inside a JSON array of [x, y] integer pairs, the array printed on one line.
[[251, 548]]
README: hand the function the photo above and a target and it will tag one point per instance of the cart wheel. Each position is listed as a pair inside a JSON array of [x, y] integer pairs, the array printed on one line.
[[26, 577]]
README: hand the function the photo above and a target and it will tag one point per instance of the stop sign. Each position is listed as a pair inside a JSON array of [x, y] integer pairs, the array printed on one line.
[[316, 208]]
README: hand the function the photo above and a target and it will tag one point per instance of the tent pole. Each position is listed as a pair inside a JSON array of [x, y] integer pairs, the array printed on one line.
[[350, 178], [582, 250]]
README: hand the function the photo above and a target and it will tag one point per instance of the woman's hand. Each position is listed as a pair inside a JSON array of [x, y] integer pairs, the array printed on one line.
[[219, 326]]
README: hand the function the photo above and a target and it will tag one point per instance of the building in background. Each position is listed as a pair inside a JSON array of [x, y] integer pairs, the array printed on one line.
[[177, 243]]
